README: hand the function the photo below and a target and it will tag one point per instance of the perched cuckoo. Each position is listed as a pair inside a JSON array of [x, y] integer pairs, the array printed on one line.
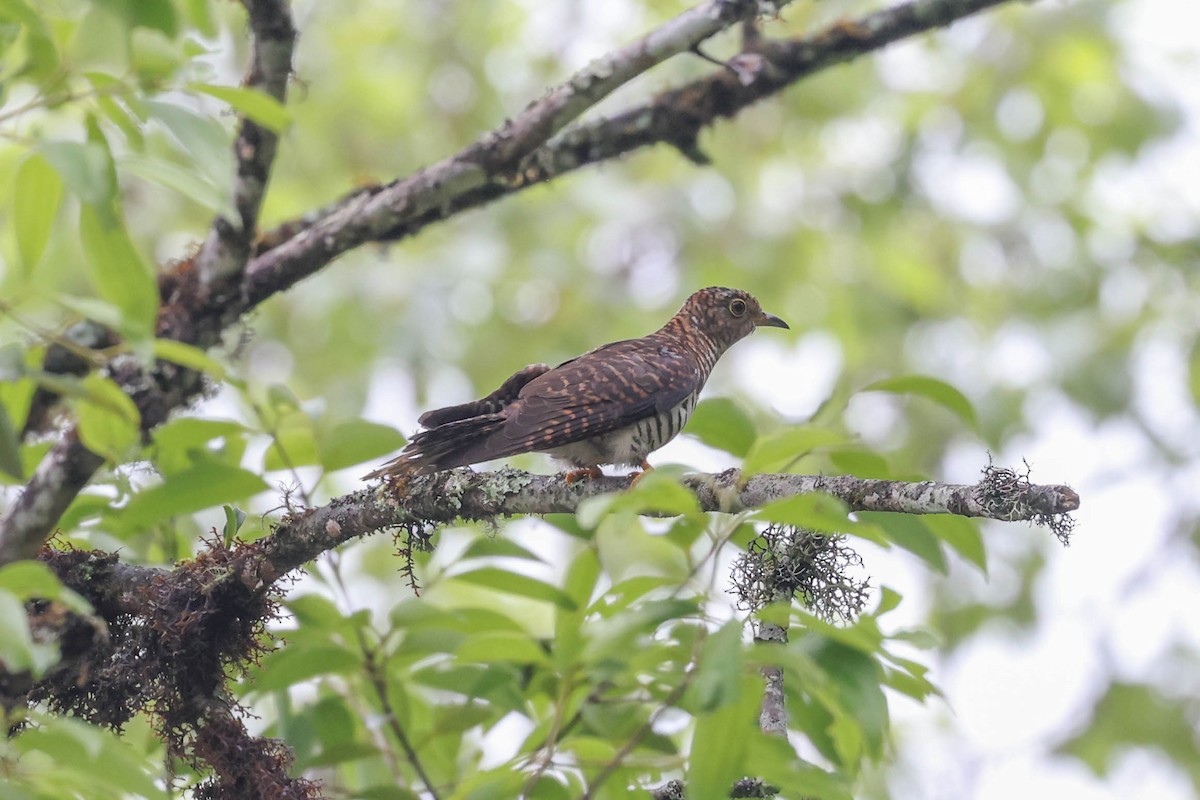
[[612, 405]]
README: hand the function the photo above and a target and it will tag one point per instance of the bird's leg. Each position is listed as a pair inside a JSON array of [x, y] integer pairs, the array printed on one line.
[[591, 473], [637, 476]]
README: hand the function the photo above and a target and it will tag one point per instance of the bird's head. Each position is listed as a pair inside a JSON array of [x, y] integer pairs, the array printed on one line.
[[725, 316]]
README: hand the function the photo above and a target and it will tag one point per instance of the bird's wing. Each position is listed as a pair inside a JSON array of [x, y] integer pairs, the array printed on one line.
[[493, 403], [601, 391]]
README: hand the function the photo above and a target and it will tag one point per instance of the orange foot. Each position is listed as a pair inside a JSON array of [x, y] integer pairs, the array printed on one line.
[[591, 473], [637, 476]]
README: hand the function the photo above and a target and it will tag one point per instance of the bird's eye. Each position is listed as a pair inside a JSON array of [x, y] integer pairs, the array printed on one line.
[[737, 307]]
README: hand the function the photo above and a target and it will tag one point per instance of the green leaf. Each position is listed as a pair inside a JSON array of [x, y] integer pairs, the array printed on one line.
[[496, 783], [315, 611], [719, 674], [85, 168], [184, 441], [118, 271], [10, 448], [301, 661], [294, 443], [721, 423], [719, 744], [1133, 717], [38, 190], [202, 486], [781, 449], [659, 491], [186, 355], [189, 183], [582, 576], [159, 15], [154, 57], [520, 585], [626, 592], [858, 677], [30, 579], [42, 59], [961, 534], [342, 752], [911, 533], [497, 546], [819, 512], [254, 104], [109, 422], [115, 112], [491, 647], [774, 760], [85, 760], [860, 463], [202, 137], [18, 651], [617, 637], [355, 441], [234, 517], [1194, 372], [100, 311], [910, 680], [933, 389]]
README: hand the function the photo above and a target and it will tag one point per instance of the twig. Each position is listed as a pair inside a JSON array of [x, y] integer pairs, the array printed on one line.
[[636, 737], [378, 680], [227, 248]]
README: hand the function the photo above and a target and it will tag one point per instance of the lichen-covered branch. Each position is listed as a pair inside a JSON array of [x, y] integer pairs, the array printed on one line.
[[462, 493], [427, 501], [59, 477]]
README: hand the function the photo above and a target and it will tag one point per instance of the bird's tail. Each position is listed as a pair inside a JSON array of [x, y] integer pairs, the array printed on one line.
[[453, 444]]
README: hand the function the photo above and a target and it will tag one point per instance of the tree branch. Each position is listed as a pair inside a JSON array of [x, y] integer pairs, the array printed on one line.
[[298, 248], [461, 493], [484, 170], [227, 248], [429, 500]]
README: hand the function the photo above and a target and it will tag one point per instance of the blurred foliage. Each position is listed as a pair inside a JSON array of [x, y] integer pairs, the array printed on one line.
[[954, 229]]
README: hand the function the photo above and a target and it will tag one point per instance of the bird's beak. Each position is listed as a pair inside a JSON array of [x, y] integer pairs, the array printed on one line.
[[769, 321]]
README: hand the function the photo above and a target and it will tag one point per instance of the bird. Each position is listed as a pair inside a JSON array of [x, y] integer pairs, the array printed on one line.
[[613, 405]]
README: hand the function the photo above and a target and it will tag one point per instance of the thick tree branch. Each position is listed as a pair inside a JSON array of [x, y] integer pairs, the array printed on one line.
[[59, 477], [462, 493], [427, 501], [772, 716]]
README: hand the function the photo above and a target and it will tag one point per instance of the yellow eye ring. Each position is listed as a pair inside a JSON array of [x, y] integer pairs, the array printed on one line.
[[737, 307]]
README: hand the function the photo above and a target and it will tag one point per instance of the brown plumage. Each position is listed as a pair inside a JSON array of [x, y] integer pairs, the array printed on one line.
[[612, 405]]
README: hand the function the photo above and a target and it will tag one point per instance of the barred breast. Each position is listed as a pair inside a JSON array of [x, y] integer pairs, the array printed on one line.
[[629, 446]]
